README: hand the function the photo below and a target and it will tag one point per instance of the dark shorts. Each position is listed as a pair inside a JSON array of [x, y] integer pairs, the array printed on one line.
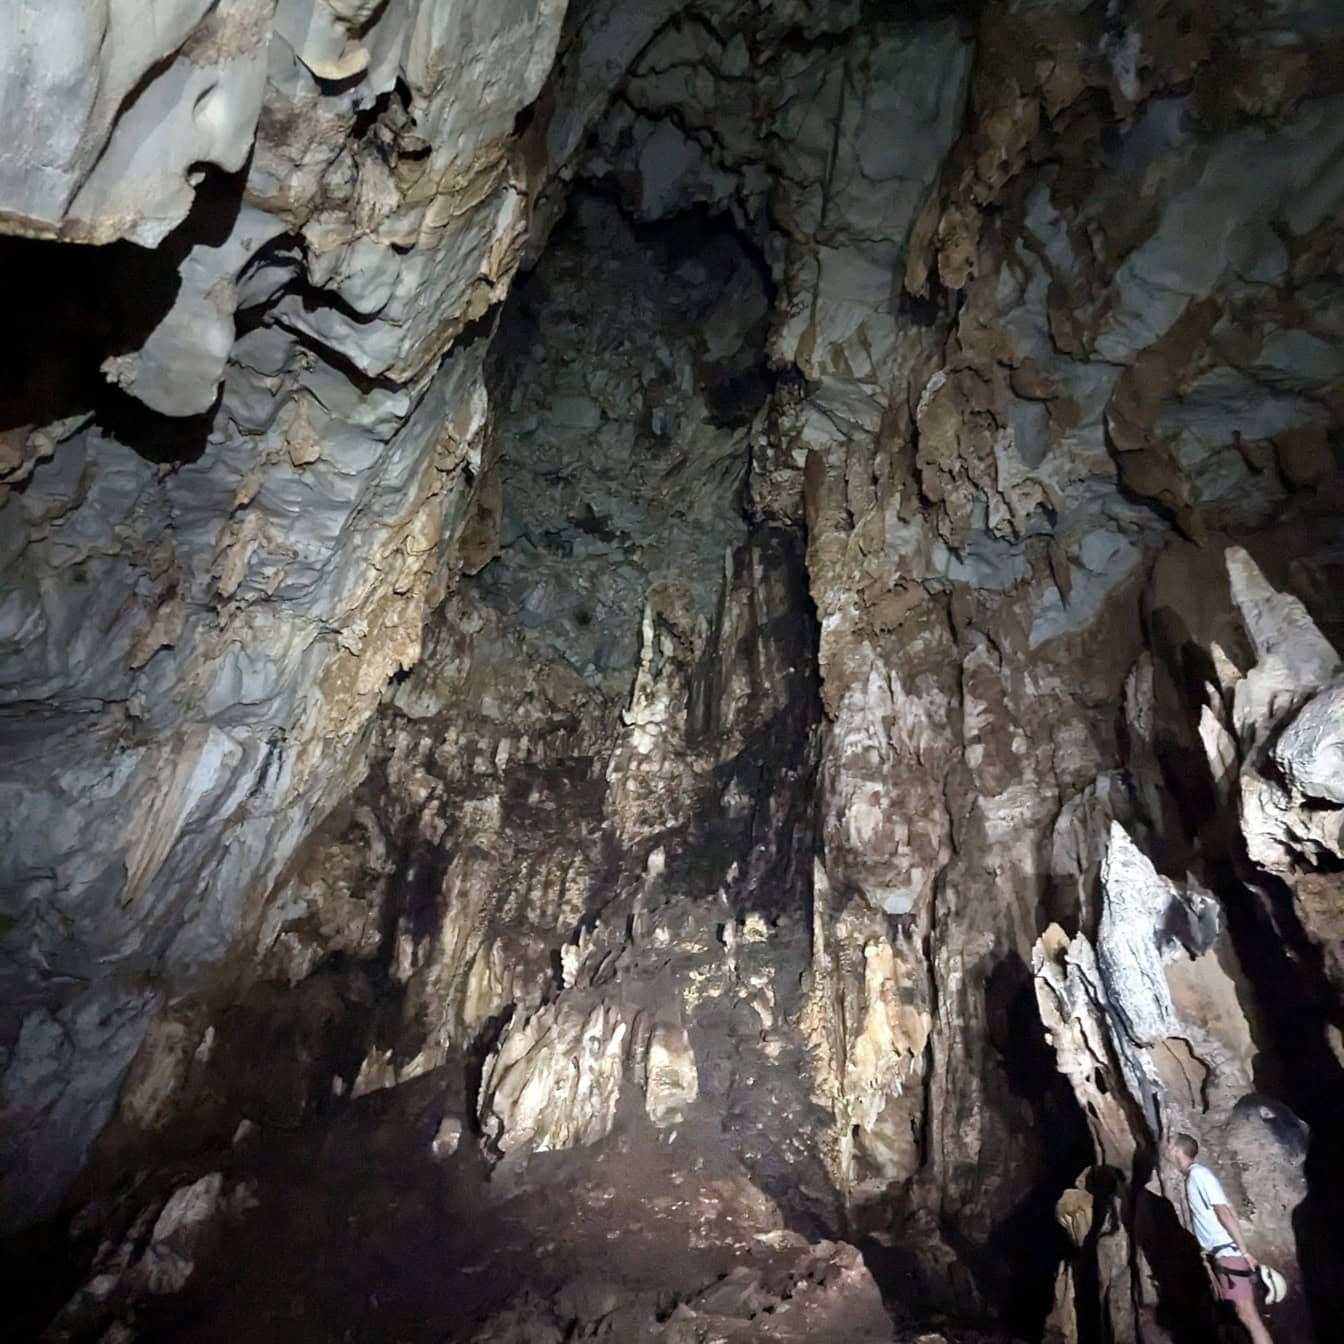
[[1233, 1287]]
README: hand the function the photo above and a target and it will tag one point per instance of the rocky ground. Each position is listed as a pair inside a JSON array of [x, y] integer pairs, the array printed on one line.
[[383, 1221]]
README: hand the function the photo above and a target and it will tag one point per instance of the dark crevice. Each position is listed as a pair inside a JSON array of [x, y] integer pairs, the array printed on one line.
[[1029, 1243], [83, 305]]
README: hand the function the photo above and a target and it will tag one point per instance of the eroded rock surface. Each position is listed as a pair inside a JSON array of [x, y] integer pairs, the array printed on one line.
[[201, 613]]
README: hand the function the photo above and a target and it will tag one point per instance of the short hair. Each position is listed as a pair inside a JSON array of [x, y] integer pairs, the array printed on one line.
[[1188, 1144]]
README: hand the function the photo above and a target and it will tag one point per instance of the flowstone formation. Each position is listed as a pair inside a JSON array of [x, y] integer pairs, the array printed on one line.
[[670, 671]]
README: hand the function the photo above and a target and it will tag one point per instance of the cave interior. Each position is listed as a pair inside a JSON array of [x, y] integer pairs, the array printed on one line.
[[670, 671]]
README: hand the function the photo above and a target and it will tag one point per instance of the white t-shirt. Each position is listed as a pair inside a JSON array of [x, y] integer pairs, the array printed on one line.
[[1203, 1189]]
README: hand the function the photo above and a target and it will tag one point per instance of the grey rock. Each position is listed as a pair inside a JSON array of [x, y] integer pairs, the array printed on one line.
[[1310, 750]]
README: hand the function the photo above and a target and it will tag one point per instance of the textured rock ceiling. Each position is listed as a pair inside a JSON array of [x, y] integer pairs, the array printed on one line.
[[781, 558]]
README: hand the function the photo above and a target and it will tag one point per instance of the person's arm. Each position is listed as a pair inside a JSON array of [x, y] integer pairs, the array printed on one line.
[[1207, 1262], [1225, 1215]]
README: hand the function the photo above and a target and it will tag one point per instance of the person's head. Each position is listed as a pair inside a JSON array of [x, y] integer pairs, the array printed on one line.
[[1182, 1149]]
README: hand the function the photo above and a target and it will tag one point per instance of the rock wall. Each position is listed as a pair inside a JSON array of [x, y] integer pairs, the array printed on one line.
[[223, 517]]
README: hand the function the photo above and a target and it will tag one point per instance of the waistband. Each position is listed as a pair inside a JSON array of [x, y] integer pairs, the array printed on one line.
[[1220, 1265]]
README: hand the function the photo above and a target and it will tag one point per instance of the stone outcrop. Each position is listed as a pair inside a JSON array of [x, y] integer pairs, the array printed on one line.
[[557, 1082]]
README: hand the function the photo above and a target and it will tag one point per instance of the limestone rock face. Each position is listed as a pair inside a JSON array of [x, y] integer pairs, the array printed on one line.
[[867, 1022], [672, 1082], [557, 1082], [1287, 721], [206, 609], [114, 157], [157, 1255], [1287, 717], [1310, 751]]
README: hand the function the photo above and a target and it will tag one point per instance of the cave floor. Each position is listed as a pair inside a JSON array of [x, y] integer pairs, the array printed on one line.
[[359, 1234]]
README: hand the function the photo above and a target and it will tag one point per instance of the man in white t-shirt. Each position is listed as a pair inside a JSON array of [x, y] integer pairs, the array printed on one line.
[[1232, 1267]]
